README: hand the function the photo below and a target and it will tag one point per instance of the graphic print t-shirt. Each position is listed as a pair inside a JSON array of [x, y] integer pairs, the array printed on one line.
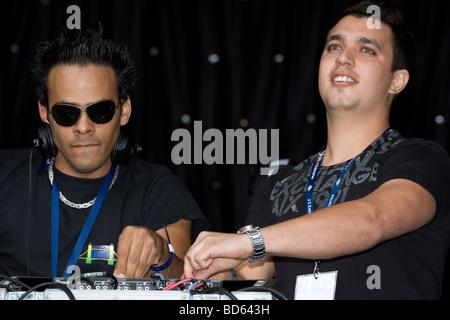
[[411, 265]]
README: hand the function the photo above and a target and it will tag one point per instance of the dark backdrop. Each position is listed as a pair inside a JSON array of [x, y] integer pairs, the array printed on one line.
[[230, 64]]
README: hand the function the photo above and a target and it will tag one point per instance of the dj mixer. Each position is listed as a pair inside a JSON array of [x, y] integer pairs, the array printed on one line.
[[155, 288]]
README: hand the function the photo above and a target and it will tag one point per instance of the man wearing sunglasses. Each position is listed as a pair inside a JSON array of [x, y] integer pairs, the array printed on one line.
[[85, 208]]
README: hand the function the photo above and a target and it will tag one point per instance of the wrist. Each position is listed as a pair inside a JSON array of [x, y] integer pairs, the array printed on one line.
[[164, 253], [257, 242], [166, 256]]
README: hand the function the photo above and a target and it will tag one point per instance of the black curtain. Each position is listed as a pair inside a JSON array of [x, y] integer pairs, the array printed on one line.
[[249, 64]]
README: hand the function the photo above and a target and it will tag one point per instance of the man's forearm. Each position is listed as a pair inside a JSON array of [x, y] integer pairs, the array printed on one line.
[[396, 208], [327, 233]]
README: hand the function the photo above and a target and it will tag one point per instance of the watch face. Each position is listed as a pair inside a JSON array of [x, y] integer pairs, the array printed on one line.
[[248, 228]]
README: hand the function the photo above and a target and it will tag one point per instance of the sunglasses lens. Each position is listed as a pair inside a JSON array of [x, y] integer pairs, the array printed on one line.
[[102, 112], [65, 115]]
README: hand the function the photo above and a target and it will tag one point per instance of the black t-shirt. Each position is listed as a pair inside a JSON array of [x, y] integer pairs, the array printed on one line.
[[144, 194], [408, 267]]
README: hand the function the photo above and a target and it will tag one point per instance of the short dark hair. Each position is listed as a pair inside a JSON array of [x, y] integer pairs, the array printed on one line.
[[403, 39], [78, 47]]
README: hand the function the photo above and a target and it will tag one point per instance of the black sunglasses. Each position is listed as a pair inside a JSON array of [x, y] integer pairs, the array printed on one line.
[[67, 115]]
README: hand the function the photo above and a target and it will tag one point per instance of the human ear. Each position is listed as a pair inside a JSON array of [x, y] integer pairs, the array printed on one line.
[[126, 112], [399, 81], [43, 112]]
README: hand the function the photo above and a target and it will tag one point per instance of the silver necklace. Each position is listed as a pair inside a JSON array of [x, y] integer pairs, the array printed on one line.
[[70, 203]]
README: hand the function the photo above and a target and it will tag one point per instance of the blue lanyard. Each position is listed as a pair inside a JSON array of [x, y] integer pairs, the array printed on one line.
[[313, 176], [87, 225]]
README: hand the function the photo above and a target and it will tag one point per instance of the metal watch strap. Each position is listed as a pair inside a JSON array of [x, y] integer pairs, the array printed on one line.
[[254, 233]]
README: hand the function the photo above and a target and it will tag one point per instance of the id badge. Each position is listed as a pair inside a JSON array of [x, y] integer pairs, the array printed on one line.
[[321, 286]]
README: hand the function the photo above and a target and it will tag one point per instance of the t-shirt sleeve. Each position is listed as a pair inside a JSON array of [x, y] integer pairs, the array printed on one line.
[[423, 162], [259, 206], [170, 201], [261, 209]]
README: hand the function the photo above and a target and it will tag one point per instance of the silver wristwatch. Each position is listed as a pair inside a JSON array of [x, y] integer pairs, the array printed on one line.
[[259, 250]]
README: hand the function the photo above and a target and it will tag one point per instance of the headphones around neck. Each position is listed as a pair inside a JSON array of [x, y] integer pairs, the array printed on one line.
[[122, 152]]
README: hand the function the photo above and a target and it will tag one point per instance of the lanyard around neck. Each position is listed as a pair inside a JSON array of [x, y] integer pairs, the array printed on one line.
[[87, 225], [313, 176]]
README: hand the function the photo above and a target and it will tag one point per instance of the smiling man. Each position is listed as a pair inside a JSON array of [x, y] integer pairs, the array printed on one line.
[[90, 202], [368, 216]]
